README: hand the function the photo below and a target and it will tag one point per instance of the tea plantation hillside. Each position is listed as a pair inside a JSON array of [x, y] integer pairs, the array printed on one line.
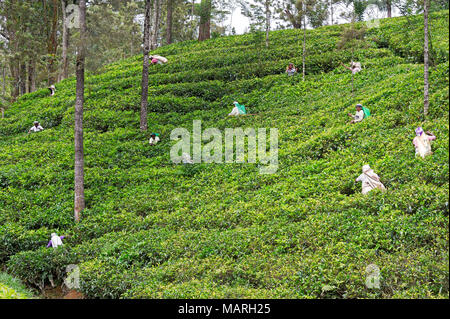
[[155, 229]]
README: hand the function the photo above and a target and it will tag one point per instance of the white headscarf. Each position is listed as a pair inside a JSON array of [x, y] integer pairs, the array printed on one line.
[[366, 168], [56, 240]]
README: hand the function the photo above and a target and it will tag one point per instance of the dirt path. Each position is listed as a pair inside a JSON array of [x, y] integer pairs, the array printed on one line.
[[60, 293]]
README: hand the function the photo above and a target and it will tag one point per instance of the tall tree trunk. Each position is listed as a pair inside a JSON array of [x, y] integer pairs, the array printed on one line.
[[52, 44], [4, 79], [27, 76], [146, 42], [156, 11], [353, 49], [231, 19], [169, 21], [389, 8], [331, 12], [267, 5], [304, 44], [23, 78], [31, 76], [13, 45], [204, 32], [65, 41], [426, 101], [131, 46], [2, 109], [79, 203], [14, 70]]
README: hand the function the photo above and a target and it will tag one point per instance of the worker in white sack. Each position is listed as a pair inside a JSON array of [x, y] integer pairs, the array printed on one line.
[[369, 180], [238, 109], [291, 69], [55, 241], [35, 128], [154, 139], [354, 67], [52, 90], [422, 142], [156, 59]]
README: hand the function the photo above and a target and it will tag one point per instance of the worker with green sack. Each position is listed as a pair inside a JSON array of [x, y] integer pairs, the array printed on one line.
[[238, 109], [154, 138], [366, 111], [362, 112]]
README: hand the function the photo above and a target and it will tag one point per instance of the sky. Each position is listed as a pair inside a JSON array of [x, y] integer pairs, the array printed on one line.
[[239, 22], [242, 23]]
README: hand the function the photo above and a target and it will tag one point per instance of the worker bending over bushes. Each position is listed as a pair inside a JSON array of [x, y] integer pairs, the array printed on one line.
[[422, 142], [354, 67], [369, 180], [361, 113], [52, 90], [291, 69], [36, 127], [154, 139], [156, 59], [55, 241], [238, 109]]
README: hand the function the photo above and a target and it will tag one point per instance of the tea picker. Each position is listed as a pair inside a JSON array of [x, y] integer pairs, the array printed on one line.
[[354, 67], [362, 112], [369, 180], [55, 241], [156, 59], [291, 69], [238, 109], [36, 127], [52, 90], [154, 139], [422, 142]]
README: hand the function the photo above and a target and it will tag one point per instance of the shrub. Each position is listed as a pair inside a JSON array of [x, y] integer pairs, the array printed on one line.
[[35, 267]]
